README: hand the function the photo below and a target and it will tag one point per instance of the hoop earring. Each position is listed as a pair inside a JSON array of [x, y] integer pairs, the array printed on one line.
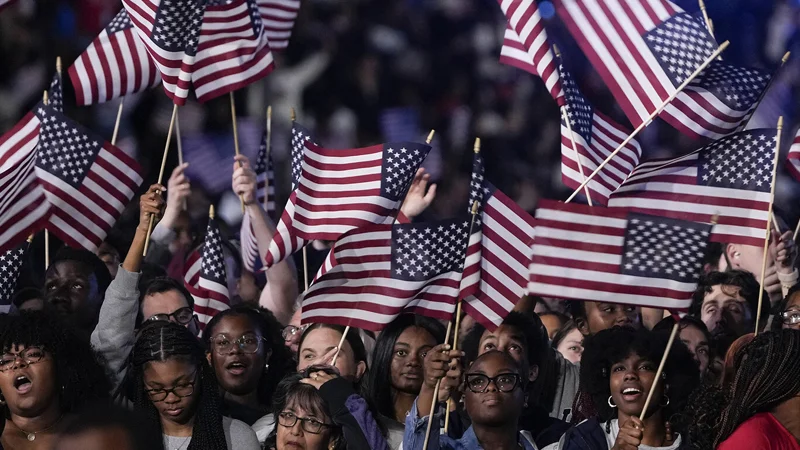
[[611, 402], [665, 397], [2, 401], [266, 367]]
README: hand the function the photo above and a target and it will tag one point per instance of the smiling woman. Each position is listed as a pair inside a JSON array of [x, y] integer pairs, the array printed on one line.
[[47, 372]]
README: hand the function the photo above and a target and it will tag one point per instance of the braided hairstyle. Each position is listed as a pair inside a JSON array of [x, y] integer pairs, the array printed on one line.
[[161, 341], [281, 361], [79, 375], [766, 377]]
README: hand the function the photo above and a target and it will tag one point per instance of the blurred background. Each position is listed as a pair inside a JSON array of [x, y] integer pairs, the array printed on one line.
[[361, 72]]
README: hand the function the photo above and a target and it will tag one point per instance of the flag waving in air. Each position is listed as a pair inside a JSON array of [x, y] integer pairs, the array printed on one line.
[[278, 17], [645, 49], [115, 64], [208, 285], [731, 177], [379, 271], [56, 93], [612, 255], [343, 189], [10, 265], [793, 160], [265, 196]]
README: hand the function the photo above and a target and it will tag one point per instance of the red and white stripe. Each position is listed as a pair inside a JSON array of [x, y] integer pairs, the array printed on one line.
[[359, 290], [23, 207], [278, 17], [577, 255], [112, 66], [607, 135], [526, 46], [610, 32], [191, 269], [249, 243], [793, 159]]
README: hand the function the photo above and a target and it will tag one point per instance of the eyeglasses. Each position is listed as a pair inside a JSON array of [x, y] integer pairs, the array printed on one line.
[[505, 382], [791, 317], [30, 355], [248, 343], [290, 331], [180, 391], [182, 316], [313, 426]]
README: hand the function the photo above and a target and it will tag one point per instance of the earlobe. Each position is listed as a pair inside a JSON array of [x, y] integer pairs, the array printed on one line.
[[362, 367], [208, 357], [533, 373]]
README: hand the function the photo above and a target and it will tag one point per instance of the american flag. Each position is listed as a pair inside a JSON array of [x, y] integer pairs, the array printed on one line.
[[380, 271], [10, 265], [88, 181], [645, 49], [265, 196], [55, 96], [613, 255], [596, 137], [278, 17], [115, 64], [731, 177], [205, 276], [793, 160], [526, 46], [299, 137], [498, 260], [24, 210], [344, 189]]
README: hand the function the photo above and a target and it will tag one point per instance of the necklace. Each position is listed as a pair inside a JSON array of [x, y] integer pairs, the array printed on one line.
[[166, 443], [31, 435]]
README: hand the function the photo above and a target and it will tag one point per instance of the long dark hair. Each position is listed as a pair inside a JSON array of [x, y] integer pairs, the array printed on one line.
[[162, 341], [79, 375], [291, 390], [353, 338], [378, 392], [281, 361]]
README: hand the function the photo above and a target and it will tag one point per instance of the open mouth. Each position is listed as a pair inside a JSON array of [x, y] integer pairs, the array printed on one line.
[[23, 384], [631, 394], [237, 368]]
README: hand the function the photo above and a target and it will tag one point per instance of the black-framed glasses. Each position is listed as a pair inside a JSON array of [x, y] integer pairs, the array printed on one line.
[[505, 382], [791, 317], [290, 331], [181, 315], [249, 343], [31, 355], [313, 426], [181, 391]]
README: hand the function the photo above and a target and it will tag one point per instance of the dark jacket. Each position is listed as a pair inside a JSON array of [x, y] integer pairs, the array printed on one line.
[[349, 411]]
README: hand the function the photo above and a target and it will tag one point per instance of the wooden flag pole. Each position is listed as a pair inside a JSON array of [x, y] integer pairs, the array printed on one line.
[[707, 19], [267, 153], [766, 88], [429, 139], [46, 101], [179, 141], [117, 122], [435, 394], [236, 140], [341, 343], [161, 173], [660, 369], [769, 222], [651, 117]]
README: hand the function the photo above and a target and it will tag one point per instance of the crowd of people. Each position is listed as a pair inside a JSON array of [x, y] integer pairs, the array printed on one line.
[[100, 356]]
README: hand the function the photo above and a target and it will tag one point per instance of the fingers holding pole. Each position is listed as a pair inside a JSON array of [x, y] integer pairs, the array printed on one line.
[[161, 173], [660, 369], [236, 140], [435, 394]]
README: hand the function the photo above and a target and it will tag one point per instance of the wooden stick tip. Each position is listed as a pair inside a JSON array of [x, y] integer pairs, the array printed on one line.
[[58, 64], [477, 147], [780, 122], [269, 112], [715, 219], [30, 239], [474, 211], [293, 114], [45, 99], [211, 212], [785, 57], [702, 5], [430, 137], [556, 50], [725, 44]]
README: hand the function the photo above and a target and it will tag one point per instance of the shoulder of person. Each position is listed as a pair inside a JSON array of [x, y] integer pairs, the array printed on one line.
[[587, 435], [242, 436]]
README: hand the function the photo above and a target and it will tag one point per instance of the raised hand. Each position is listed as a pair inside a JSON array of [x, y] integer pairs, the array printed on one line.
[[244, 180], [630, 435], [151, 203], [178, 190], [417, 199]]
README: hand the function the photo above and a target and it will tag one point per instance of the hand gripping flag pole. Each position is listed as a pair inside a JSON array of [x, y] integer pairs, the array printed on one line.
[[161, 171]]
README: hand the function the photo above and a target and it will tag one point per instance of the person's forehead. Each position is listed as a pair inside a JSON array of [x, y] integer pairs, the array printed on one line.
[[723, 293], [493, 363], [165, 302], [68, 269], [235, 325]]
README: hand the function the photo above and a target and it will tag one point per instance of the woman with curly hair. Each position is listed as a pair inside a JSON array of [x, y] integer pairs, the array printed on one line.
[[618, 369], [47, 372], [248, 356], [171, 382]]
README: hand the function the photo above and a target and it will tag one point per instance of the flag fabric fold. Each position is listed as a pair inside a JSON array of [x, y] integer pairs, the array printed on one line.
[[88, 181], [596, 136], [10, 265], [379, 271], [613, 255], [278, 17], [497, 266], [526, 46], [793, 159], [343, 189], [645, 49], [55, 94], [24, 209], [265, 196], [115, 64], [205, 276], [731, 177]]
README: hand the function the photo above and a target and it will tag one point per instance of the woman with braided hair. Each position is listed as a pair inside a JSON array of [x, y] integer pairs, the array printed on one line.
[[763, 404], [172, 383]]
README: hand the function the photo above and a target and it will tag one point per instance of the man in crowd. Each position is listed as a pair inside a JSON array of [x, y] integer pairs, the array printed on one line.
[[727, 302]]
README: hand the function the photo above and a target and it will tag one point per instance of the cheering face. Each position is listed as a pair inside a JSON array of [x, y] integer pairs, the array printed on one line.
[[409, 351], [571, 347], [238, 354], [71, 289], [725, 310], [602, 316], [301, 428], [493, 393], [630, 381], [28, 380], [174, 388], [698, 345], [318, 348]]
